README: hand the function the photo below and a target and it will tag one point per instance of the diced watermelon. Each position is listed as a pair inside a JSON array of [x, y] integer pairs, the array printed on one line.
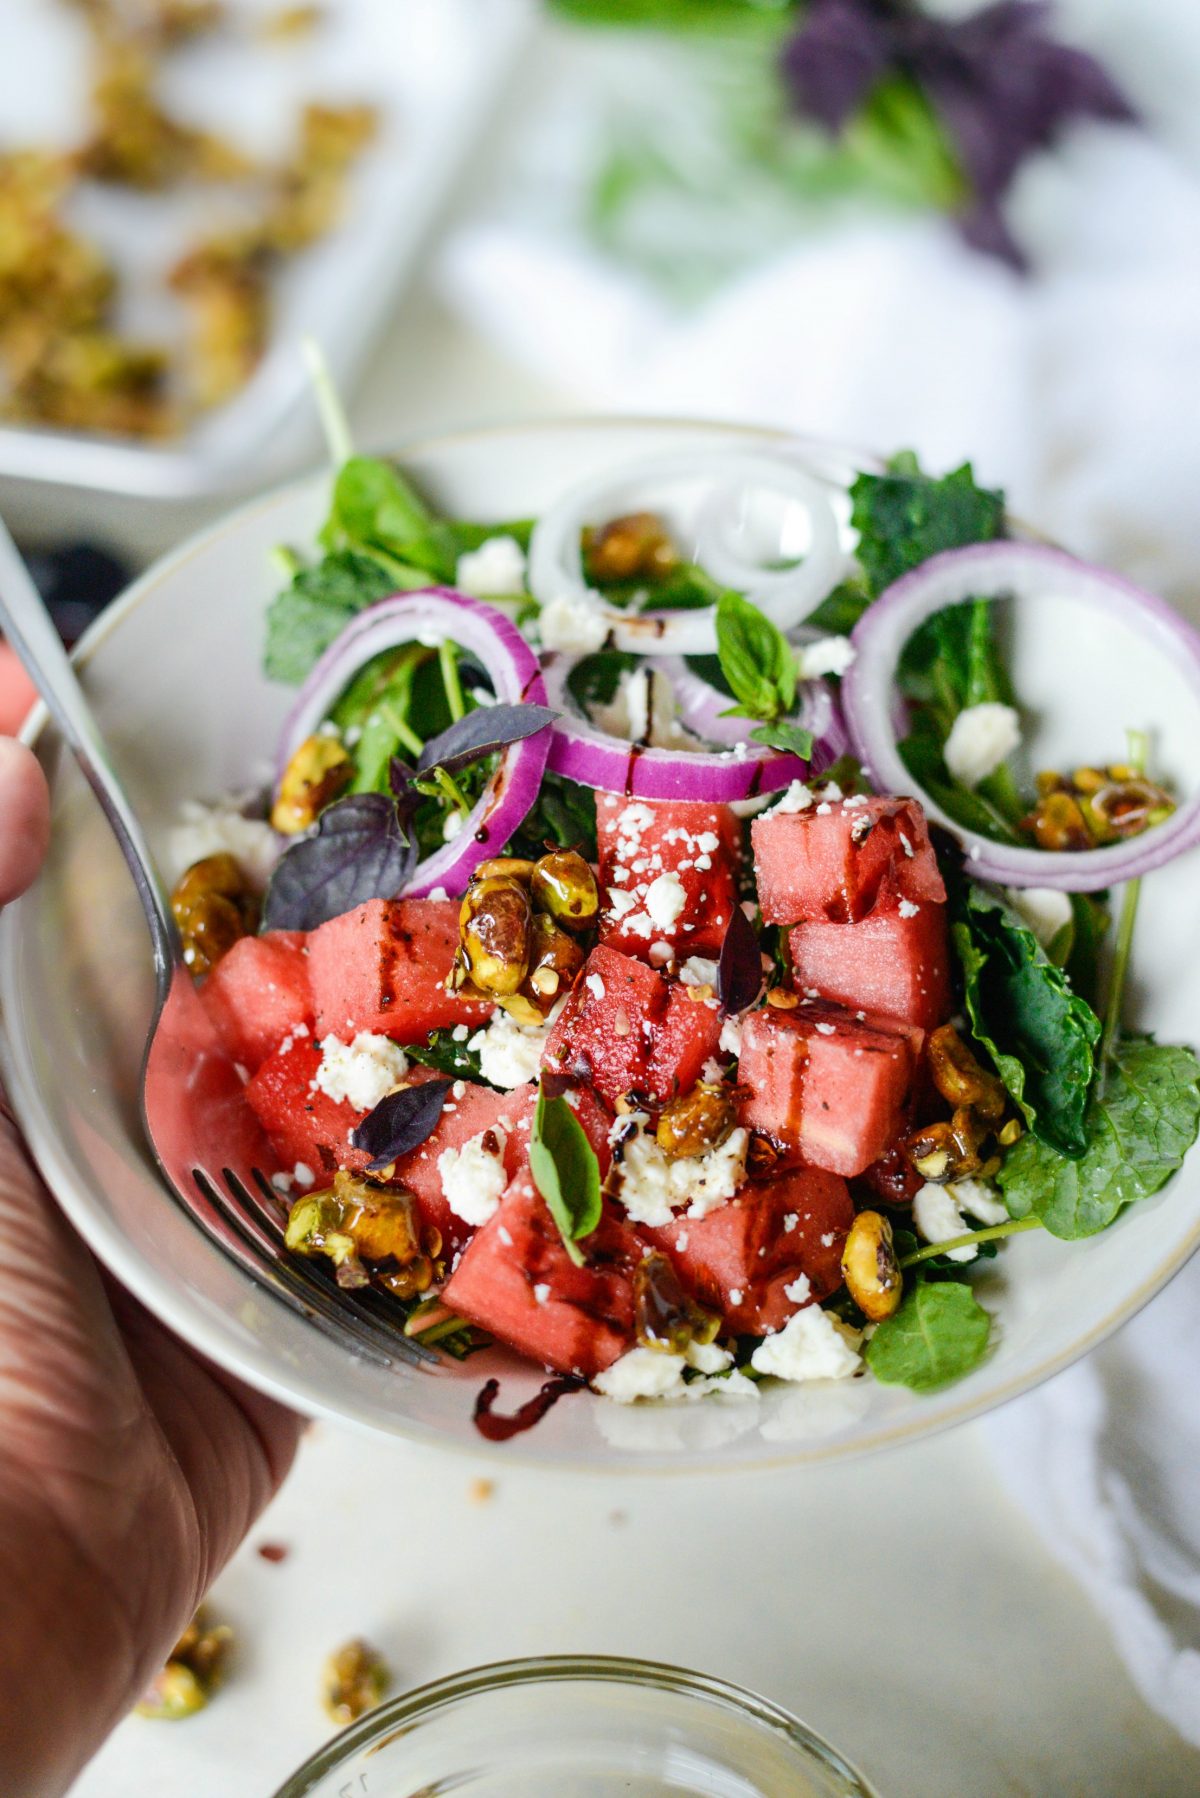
[[383, 967], [516, 1280], [474, 1109], [625, 1028], [640, 841], [837, 859], [889, 963], [258, 993], [740, 1259], [824, 1085], [304, 1124]]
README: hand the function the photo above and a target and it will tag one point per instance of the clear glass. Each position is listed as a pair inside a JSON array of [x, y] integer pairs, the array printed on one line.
[[578, 1727]]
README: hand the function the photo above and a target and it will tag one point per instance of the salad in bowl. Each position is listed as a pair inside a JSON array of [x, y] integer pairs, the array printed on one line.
[[663, 950]]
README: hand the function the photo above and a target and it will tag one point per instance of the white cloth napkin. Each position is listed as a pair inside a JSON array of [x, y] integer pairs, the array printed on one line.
[[1077, 391]]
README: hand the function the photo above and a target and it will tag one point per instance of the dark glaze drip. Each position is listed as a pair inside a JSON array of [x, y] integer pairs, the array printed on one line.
[[481, 835], [635, 753], [499, 1429]]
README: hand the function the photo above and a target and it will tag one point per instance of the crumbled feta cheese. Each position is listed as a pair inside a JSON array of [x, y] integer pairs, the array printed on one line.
[[452, 827], [698, 970], [574, 626], [1044, 909], [595, 986], [708, 1357], [799, 1291], [797, 798], [642, 1373], [908, 909], [791, 1220], [282, 1183], [731, 1037], [652, 1187], [510, 1053], [829, 655], [812, 1345], [302, 1174], [541, 1292], [827, 1029], [981, 737], [665, 900], [438, 893], [473, 1177], [505, 1236], [460, 1033], [362, 1072], [736, 1295], [620, 902], [496, 570], [660, 954], [220, 829], [980, 1198], [938, 1219]]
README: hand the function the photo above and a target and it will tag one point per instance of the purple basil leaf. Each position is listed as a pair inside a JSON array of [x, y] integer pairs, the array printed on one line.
[[360, 851], [400, 777], [835, 59], [399, 1123], [483, 732], [739, 970]]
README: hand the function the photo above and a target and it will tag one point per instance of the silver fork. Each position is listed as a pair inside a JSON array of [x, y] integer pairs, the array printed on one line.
[[205, 1137]]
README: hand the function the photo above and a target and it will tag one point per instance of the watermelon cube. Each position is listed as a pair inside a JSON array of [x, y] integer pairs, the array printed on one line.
[[895, 962], [304, 1124], [383, 967], [825, 1086], [258, 993], [836, 859], [469, 1110], [627, 1029], [668, 874], [742, 1258], [517, 1281]]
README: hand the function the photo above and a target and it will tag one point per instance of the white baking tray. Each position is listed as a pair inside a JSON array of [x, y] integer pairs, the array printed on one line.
[[435, 68]]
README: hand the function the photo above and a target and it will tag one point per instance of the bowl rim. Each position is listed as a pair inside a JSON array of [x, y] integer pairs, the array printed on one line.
[[399, 1714], [202, 1327]]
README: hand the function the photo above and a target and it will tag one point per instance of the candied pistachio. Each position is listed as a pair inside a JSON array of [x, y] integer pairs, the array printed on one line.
[[354, 1681], [358, 1220], [554, 960], [870, 1268], [494, 930], [947, 1151], [1118, 809], [634, 547], [214, 906], [506, 867], [192, 1673], [665, 1317], [696, 1121], [782, 998], [564, 887], [319, 771], [1057, 823], [960, 1078]]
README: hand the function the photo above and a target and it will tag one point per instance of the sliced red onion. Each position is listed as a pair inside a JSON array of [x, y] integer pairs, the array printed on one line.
[[1023, 572], [435, 615], [585, 753], [722, 482], [701, 707]]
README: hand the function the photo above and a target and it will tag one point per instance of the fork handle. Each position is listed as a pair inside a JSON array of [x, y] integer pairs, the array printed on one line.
[[30, 630]]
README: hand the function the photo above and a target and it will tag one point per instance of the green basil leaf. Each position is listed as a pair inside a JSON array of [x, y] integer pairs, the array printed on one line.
[[1039, 1033], [782, 735], [756, 659], [939, 1334], [565, 1171], [1142, 1121], [448, 1057]]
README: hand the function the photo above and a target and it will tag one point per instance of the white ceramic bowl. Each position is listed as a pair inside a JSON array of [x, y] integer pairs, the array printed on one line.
[[173, 671]]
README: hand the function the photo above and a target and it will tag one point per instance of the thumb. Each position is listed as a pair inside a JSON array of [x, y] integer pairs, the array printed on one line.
[[24, 818]]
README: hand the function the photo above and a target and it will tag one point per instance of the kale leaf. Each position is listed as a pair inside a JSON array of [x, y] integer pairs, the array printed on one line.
[[1142, 1121], [1039, 1033]]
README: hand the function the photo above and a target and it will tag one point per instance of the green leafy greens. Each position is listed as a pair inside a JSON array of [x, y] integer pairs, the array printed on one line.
[[1037, 1030], [448, 1057], [565, 1171], [940, 1333], [757, 661]]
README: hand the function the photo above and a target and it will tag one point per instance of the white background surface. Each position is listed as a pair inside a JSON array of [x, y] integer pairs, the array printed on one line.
[[901, 1606]]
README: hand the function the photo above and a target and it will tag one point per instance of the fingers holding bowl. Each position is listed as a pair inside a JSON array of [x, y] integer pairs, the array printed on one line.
[[24, 818]]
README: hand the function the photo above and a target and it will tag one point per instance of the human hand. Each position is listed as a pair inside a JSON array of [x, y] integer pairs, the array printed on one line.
[[130, 1469]]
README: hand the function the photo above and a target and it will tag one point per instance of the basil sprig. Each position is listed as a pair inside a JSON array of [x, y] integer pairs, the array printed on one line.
[[565, 1171]]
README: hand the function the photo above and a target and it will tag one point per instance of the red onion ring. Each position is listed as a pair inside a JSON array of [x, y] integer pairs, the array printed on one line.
[[1022, 571], [438, 614], [701, 705], [583, 752]]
